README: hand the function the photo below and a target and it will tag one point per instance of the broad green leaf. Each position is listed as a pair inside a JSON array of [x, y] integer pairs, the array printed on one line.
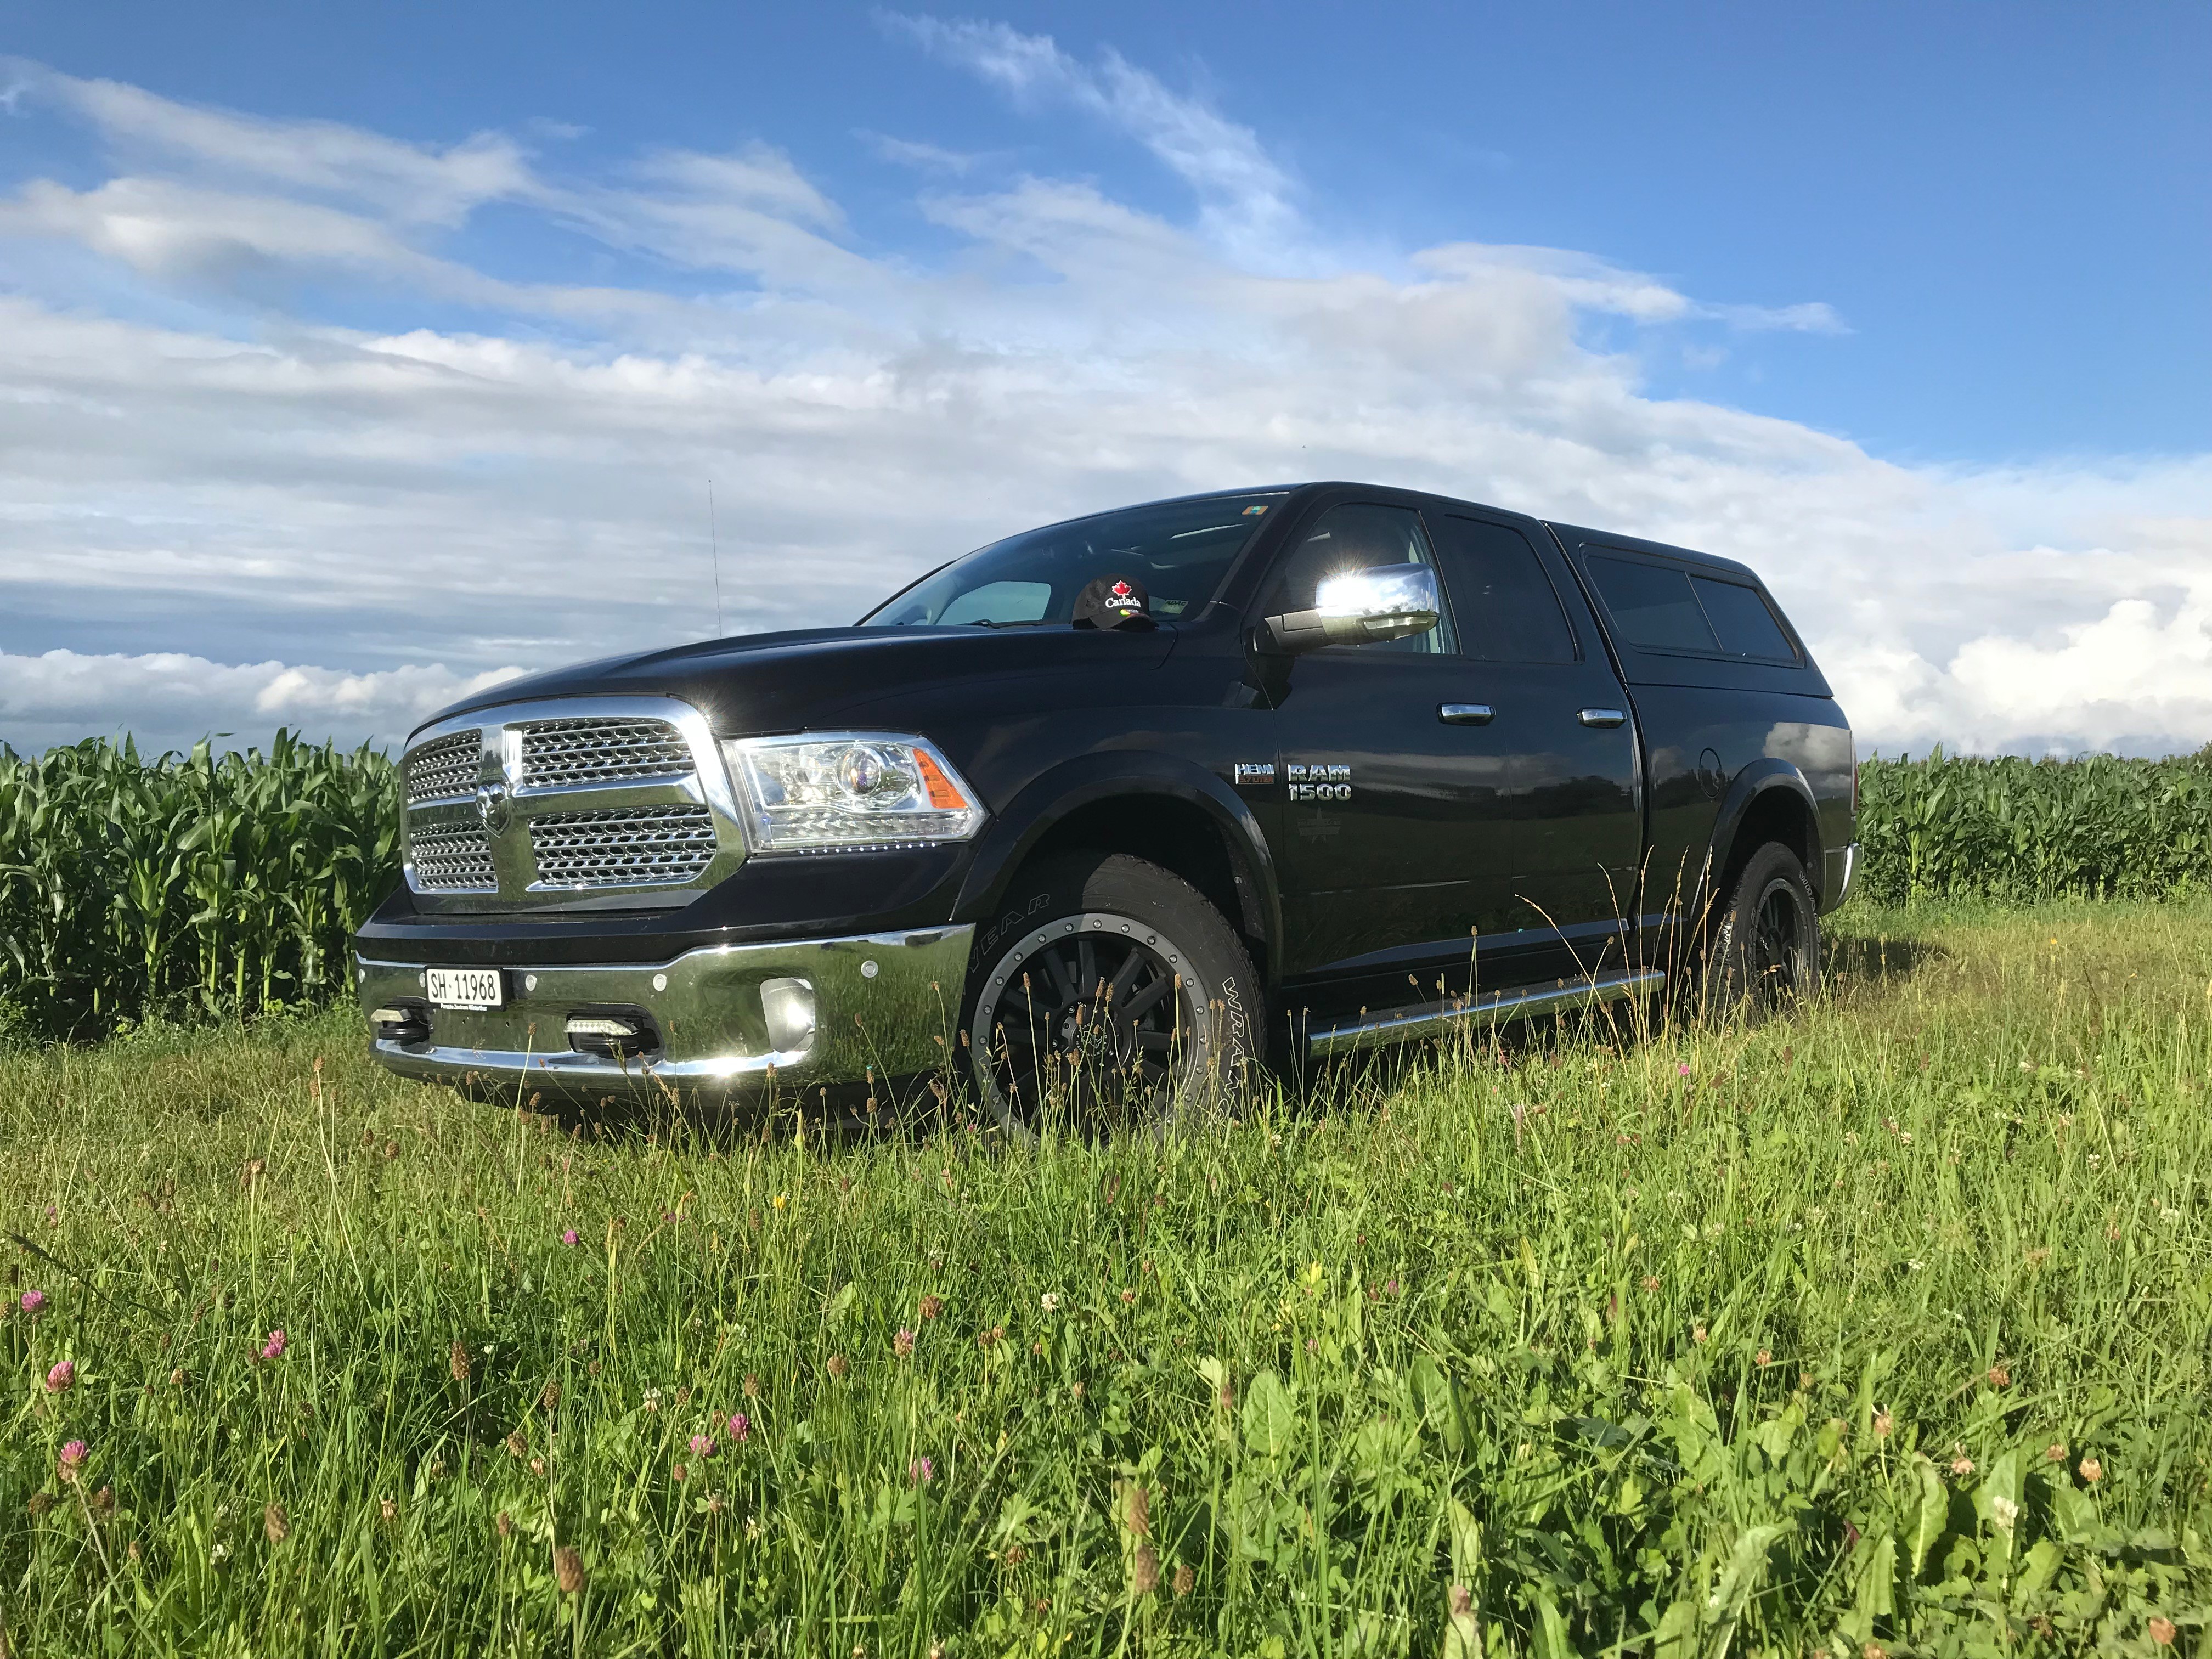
[[1876, 1596], [1549, 1640], [1270, 1416], [1434, 1394], [1997, 1500], [1929, 1516]]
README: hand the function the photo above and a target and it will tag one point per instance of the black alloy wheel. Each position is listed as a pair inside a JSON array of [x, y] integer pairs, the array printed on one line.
[[1110, 992], [1092, 1013], [1778, 943], [1765, 953]]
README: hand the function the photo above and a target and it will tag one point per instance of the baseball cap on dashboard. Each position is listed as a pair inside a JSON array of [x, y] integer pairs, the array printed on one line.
[[1114, 602]]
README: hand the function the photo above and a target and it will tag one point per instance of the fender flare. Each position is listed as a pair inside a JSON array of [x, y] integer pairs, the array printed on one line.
[[1754, 780], [1050, 798]]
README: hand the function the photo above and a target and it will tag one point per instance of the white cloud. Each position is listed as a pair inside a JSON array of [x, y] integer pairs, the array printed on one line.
[[913, 153], [162, 229], [1246, 197], [61, 696], [413, 182], [533, 490]]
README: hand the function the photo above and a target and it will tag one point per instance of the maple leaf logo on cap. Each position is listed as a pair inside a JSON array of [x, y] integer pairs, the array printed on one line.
[[1120, 590]]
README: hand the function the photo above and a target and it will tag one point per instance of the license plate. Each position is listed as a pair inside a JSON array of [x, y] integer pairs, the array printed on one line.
[[465, 987]]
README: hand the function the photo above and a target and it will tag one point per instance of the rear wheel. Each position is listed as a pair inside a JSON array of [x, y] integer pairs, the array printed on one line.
[[1766, 952], [1112, 992]]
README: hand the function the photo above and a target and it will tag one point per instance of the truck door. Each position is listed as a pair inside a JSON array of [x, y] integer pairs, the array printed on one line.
[[1564, 725], [1396, 794]]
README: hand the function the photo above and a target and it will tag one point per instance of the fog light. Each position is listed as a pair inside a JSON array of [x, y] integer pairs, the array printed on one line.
[[787, 1005], [398, 1023], [612, 1035]]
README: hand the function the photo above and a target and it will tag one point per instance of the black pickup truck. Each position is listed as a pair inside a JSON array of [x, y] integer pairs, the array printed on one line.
[[1108, 809]]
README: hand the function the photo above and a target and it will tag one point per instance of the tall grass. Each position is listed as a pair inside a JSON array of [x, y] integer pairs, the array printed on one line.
[[184, 884], [2021, 830], [1885, 1324]]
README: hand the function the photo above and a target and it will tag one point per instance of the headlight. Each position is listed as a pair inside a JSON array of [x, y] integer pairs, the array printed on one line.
[[822, 790]]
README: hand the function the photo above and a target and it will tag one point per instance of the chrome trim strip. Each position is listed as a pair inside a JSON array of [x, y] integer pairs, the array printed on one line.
[[1840, 887], [1498, 1008], [886, 1005]]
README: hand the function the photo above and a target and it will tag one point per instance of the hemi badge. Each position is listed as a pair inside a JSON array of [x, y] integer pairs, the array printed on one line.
[[1255, 772]]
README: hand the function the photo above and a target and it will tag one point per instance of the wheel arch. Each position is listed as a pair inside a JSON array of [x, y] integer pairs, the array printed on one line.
[[1172, 813], [1769, 800]]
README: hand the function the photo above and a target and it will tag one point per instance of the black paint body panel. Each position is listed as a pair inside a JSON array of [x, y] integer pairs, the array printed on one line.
[[1509, 852]]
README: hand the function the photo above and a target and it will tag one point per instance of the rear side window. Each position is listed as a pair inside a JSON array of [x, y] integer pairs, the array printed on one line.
[[1501, 597], [1652, 604], [1738, 614]]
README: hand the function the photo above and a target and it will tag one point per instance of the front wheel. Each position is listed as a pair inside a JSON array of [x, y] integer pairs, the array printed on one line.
[[1766, 950], [1110, 992]]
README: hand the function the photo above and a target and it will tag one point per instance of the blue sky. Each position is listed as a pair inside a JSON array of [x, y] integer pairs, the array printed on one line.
[[2009, 207], [1911, 306]]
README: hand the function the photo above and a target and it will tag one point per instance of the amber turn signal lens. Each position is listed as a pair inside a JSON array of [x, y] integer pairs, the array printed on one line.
[[942, 792]]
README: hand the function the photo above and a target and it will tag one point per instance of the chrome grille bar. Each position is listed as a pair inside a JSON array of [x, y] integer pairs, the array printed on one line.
[[452, 859], [632, 846], [564, 753], [444, 767]]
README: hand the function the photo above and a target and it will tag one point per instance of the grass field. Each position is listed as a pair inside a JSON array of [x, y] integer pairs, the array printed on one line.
[[1880, 1328]]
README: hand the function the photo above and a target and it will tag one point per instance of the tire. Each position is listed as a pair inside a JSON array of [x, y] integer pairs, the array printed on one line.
[[1105, 933], [1765, 953]]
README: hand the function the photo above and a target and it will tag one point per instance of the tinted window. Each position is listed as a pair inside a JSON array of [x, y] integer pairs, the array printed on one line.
[[1740, 617], [999, 602], [1355, 536], [1180, 550], [1501, 597], [1652, 604]]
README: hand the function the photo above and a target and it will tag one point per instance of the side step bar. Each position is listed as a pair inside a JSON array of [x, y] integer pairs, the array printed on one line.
[[1498, 1008]]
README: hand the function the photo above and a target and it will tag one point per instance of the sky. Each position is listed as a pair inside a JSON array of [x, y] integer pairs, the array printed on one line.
[[353, 358]]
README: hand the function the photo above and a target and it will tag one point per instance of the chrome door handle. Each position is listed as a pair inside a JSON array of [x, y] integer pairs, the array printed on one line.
[[1602, 717], [1466, 713]]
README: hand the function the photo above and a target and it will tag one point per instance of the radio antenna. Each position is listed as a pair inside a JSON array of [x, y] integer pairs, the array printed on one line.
[[714, 546]]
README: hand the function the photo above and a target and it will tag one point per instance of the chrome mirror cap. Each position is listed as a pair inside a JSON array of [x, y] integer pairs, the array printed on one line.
[[1358, 607]]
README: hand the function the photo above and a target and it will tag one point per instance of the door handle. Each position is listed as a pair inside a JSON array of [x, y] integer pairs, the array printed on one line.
[[1466, 713], [1602, 717]]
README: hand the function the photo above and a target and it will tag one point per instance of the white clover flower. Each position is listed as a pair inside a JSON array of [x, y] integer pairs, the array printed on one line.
[[1049, 1302]]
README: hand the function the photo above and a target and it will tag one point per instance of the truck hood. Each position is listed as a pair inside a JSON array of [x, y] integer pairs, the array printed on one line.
[[764, 683]]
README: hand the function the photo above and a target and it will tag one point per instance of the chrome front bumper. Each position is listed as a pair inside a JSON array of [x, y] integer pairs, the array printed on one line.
[[884, 1005]]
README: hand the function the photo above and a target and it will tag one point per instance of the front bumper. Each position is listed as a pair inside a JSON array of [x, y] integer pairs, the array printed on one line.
[[884, 1006]]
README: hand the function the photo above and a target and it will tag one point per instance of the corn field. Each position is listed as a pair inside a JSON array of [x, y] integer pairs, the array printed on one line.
[[185, 885], [202, 884], [2012, 829]]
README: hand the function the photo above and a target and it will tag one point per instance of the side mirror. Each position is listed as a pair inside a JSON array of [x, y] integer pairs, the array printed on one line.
[[1386, 602]]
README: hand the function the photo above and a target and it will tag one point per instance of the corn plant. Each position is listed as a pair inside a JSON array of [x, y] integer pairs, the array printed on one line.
[[1950, 826], [185, 885]]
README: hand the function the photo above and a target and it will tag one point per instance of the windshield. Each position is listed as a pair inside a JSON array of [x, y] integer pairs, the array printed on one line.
[[1179, 550]]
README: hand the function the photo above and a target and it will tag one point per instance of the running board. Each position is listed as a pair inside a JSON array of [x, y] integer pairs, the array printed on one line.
[[1498, 1008]]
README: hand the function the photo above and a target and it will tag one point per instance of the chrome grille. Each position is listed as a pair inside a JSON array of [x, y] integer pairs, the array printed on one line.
[[452, 859], [632, 846], [564, 753], [444, 765]]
